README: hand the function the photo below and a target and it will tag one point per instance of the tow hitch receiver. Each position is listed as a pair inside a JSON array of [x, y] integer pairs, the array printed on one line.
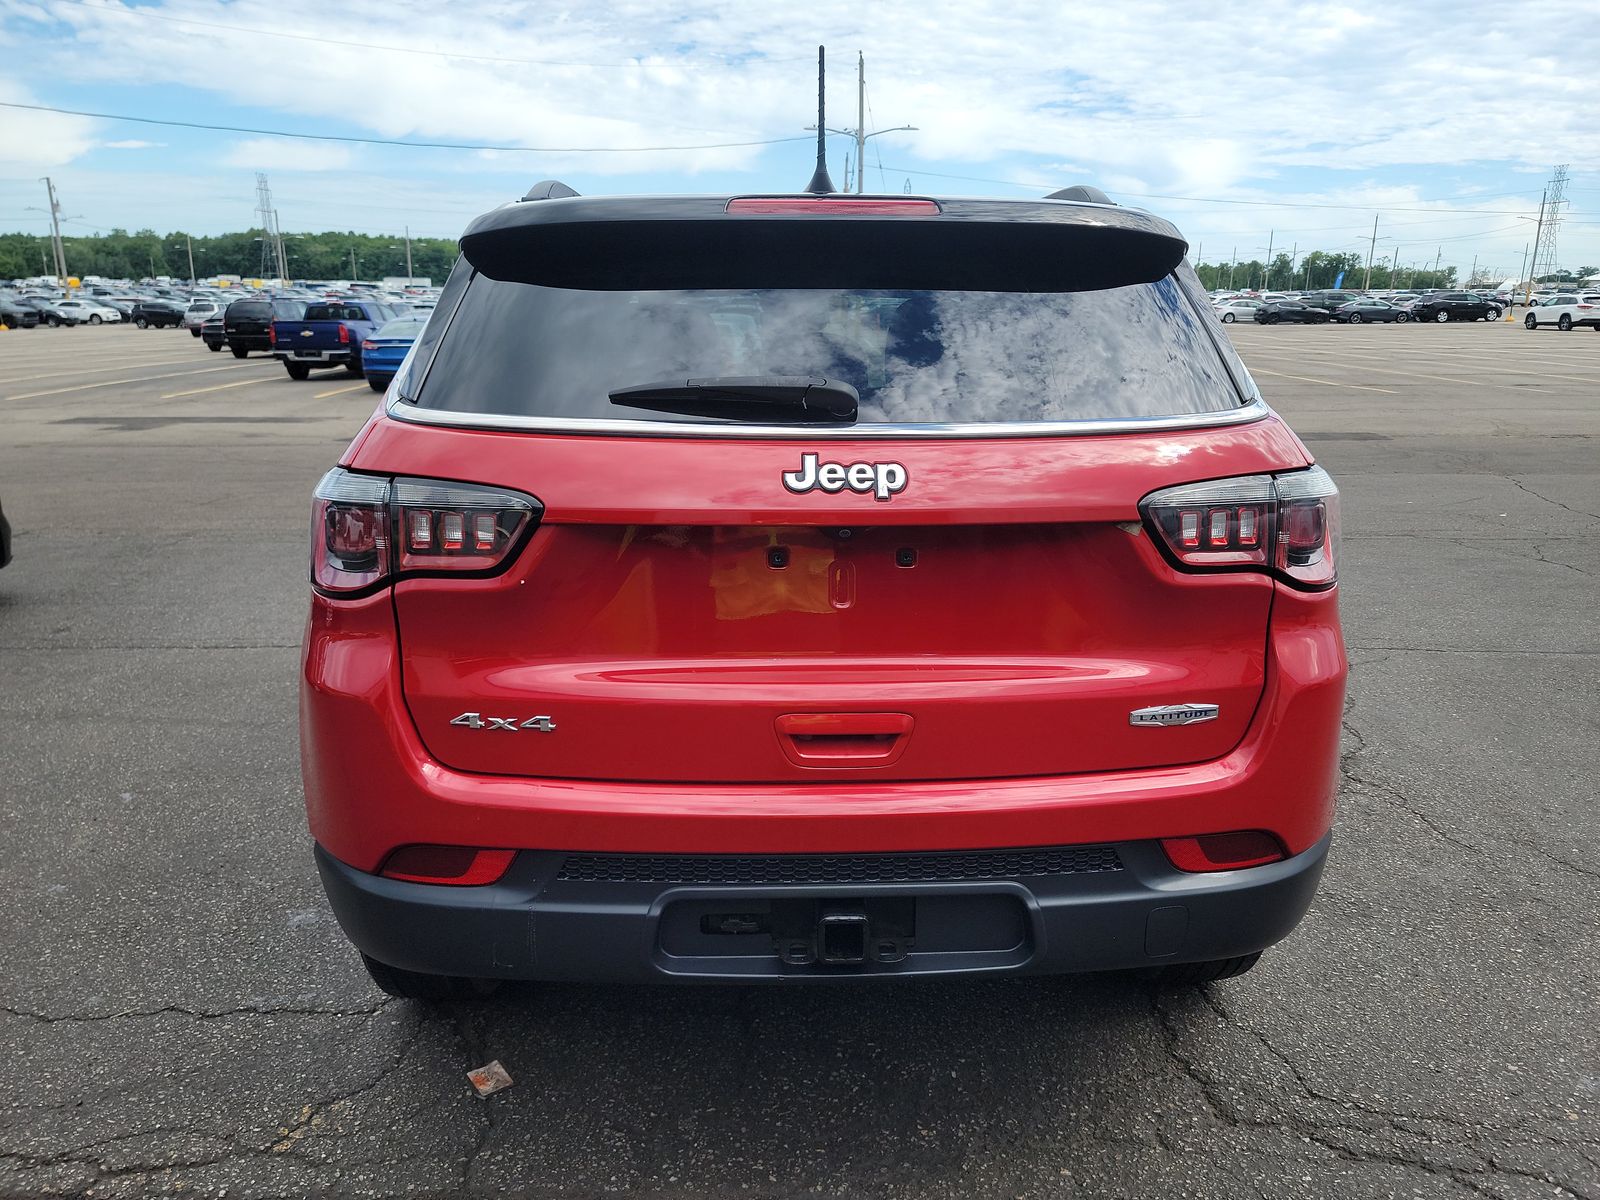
[[842, 936], [843, 933]]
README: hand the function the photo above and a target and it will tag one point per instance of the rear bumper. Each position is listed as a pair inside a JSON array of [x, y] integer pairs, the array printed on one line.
[[329, 358], [556, 916]]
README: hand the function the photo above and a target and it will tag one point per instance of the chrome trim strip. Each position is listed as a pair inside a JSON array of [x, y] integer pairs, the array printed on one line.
[[1256, 410]]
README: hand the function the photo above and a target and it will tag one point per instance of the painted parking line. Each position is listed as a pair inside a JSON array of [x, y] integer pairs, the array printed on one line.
[[84, 387], [354, 387], [221, 387], [1325, 382], [122, 365], [1416, 374]]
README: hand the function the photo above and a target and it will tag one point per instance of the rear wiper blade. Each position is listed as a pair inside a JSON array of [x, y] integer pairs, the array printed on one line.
[[781, 399]]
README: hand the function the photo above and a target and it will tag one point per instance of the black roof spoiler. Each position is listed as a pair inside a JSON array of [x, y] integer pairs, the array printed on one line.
[[690, 242], [549, 189], [1081, 192]]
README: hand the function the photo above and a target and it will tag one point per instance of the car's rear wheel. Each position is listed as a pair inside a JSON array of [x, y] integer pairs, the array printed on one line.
[[1492, 315], [1195, 973], [239, 351], [413, 985], [1565, 323], [1401, 318], [214, 347], [376, 385], [1227, 318], [1441, 316], [55, 322], [297, 370]]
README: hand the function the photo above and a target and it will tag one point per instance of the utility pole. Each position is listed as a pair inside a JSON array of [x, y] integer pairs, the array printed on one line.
[[55, 235], [1371, 246], [1523, 272], [1538, 237], [353, 275], [1266, 272], [189, 241], [408, 256], [1437, 258], [1474, 274], [1234, 258], [861, 120]]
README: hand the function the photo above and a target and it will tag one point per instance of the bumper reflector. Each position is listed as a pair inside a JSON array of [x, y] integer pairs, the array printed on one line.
[[457, 866], [1223, 851]]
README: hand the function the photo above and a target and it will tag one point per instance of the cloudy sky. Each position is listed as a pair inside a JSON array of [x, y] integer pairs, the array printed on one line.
[[1292, 120]]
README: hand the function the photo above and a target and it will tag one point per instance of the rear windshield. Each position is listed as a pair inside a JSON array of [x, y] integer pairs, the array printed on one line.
[[956, 357], [249, 310], [335, 312]]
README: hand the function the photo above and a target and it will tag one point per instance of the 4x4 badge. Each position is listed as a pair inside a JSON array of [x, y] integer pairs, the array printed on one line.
[[883, 480], [1173, 714], [472, 720]]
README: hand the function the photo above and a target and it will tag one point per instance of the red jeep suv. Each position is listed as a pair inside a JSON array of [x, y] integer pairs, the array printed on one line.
[[803, 587]]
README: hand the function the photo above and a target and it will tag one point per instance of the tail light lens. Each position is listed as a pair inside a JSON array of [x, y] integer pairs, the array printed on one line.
[[272, 335], [1286, 524], [344, 335], [367, 530], [368, 345], [1223, 851]]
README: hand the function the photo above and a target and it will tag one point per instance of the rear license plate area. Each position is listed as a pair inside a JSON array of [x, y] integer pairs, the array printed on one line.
[[859, 933]]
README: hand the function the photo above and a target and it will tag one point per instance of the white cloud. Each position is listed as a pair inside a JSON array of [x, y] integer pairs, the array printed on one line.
[[31, 141], [283, 154], [131, 144]]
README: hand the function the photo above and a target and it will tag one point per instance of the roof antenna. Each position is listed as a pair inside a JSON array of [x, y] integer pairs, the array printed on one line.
[[820, 184]]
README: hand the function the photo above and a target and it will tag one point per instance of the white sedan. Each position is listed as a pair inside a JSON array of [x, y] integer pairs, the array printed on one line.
[[81, 312], [1238, 309], [1565, 311]]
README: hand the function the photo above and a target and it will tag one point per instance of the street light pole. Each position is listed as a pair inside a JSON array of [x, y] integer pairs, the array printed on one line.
[[861, 121], [189, 241], [1371, 246], [408, 256], [55, 235]]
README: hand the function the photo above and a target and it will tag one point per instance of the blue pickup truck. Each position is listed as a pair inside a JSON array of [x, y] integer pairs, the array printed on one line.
[[330, 335]]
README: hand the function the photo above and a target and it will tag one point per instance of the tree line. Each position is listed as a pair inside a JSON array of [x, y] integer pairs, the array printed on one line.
[[1319, 269], [147, 254]]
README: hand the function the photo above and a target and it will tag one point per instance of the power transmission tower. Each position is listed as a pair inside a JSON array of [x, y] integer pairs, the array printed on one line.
[[1544, 251], [273, 262]]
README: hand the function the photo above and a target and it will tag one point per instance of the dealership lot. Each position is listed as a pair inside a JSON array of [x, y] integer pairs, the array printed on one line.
[[181, 1012]]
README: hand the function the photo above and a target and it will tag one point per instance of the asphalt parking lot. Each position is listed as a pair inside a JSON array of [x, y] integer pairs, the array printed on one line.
[[179, 1012]]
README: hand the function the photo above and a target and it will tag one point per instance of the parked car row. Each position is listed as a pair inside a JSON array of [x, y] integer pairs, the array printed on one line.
[[1355, 308], [363, 337]]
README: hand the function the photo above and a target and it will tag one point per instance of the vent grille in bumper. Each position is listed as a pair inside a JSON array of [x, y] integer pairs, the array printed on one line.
[[834, 868]]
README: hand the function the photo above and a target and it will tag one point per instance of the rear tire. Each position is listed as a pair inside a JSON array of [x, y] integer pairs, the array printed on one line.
[[1402, 318], [413, 985], [1227, 318], [297, 370], [239, 351], [214, 347], [1195, 973], [377, 385]]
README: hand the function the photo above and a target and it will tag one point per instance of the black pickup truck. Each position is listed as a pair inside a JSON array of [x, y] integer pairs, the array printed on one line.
[[247, 323]]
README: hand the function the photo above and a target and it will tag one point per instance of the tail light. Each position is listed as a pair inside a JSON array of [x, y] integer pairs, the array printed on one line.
[[1286, 525], [272, 335], [368, 530], [1223, 851], [344, 335], [369, 344], [814, 206], [458, 866]]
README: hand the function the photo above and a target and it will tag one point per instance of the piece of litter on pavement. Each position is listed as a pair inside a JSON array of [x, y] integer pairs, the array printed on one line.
[[490, 1079]]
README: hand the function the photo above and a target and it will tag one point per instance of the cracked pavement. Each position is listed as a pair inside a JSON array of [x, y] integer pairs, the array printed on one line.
[[180, 1014]]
